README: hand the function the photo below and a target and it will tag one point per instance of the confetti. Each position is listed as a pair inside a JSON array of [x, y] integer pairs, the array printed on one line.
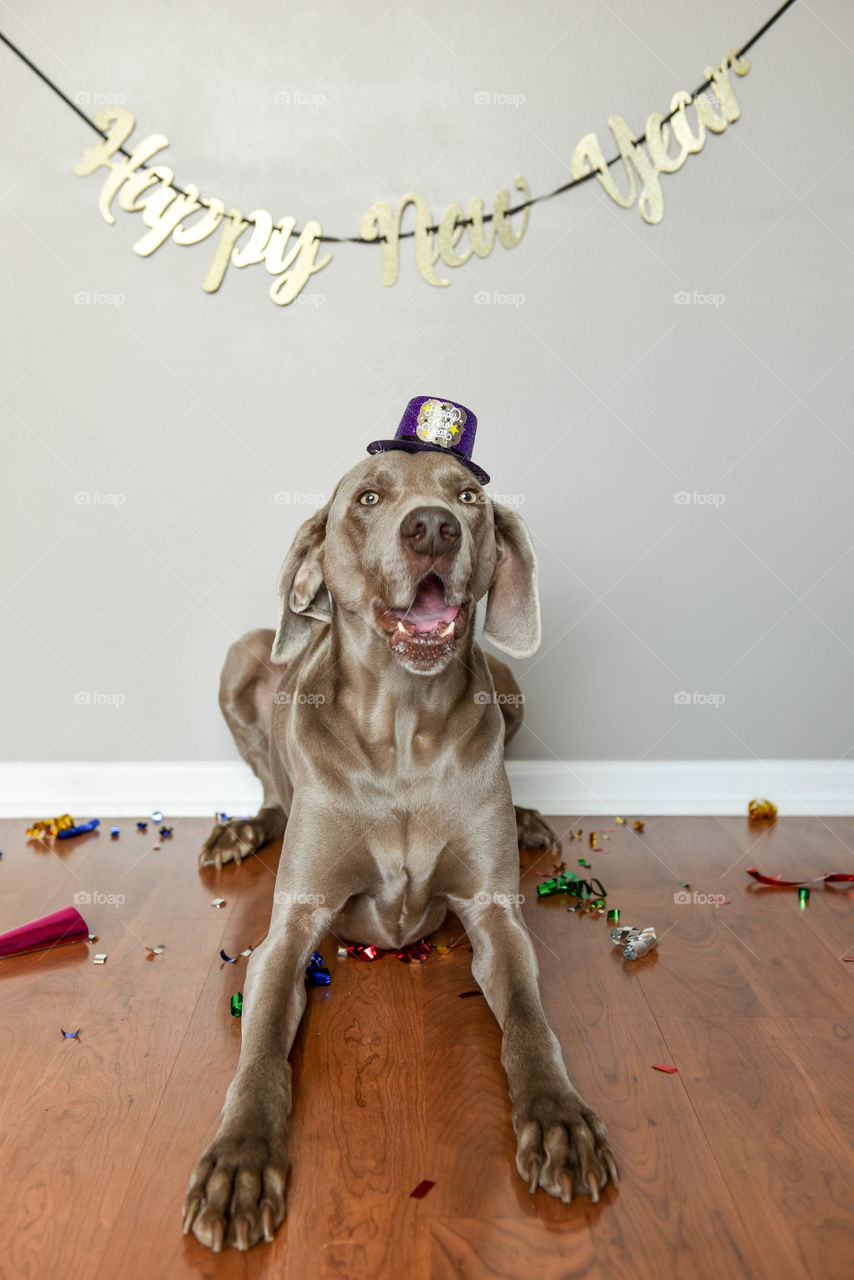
[[803, 897], [614, 915], [71, 1035], [237, 1004], [465, 994], [115, 831], [218, 902], [155, 951], [341, 953], [363, 953], [142, 826], [79, 830], [165, 832], [233, 959], [759, 809], [592, 839], [418, 951], [157, 816], [421, 1190], [582, 862], [100, 959], [621, 822], [637, 825], [662, 1066], [93, 937], [316, 974]]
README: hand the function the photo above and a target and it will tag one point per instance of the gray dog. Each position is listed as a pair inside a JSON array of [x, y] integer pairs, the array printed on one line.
[[379, 738]]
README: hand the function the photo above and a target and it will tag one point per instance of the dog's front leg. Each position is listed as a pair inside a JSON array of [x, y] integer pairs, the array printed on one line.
[[236, 1190], [562, 1145]]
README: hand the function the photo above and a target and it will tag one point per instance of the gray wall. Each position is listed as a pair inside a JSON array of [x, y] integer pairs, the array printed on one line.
[[600, 397]]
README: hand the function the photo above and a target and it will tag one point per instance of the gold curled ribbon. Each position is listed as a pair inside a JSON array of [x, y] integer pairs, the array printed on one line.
[[50, 826]]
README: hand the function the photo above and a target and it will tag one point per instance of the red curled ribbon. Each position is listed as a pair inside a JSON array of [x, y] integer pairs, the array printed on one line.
[[831, 878]]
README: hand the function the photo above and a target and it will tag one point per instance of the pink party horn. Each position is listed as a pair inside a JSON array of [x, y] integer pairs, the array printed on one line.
[[66, 925]]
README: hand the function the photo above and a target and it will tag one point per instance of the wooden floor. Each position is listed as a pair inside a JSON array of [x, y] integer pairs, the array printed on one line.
[[740, 1165]]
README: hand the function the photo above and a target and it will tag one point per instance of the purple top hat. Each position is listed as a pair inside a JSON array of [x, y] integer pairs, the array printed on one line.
[[442, 426]]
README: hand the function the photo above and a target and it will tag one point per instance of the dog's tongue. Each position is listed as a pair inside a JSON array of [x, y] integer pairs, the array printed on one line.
[[429, 609]]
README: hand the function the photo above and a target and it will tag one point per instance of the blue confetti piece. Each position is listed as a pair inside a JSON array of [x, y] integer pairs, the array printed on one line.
[[115, 831], [165, 832], [71, 1035], [316, 975], [142, 826], [157, 816]]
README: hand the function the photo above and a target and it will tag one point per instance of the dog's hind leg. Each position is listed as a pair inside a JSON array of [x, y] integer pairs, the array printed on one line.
[[532, 830], [246, 690]]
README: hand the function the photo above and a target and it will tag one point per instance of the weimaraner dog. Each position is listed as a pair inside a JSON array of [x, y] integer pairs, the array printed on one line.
[[377, 728]]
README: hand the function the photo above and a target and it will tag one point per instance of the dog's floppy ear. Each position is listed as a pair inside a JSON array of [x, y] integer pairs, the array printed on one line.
[[302, 591], [512, 621]]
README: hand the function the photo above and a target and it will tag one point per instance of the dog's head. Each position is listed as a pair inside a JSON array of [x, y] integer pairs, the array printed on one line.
[[408, 543]]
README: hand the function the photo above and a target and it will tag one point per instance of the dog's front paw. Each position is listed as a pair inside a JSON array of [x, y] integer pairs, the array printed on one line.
[[232, 841], [533, 832], [236, 1194], [562, 1146]]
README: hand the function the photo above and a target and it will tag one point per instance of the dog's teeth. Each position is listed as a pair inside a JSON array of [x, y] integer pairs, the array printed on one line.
[[402, 628], [449, 630]]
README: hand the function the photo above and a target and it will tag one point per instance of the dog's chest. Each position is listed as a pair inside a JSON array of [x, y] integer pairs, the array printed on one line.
[[402, 900]]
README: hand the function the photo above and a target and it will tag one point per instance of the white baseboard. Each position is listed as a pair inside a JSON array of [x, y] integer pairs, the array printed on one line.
[[572, 787]]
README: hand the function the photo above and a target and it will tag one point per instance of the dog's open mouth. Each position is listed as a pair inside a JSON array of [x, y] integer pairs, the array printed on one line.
[[427, 628]]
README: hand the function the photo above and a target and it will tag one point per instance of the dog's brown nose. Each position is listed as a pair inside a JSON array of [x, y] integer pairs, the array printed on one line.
[[430, 531]]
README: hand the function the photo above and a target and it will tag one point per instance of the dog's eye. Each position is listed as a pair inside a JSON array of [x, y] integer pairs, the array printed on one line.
[[369, 499], [468, 495]]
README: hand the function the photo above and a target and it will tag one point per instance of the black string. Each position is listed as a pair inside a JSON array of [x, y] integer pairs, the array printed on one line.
[[460, 222]]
